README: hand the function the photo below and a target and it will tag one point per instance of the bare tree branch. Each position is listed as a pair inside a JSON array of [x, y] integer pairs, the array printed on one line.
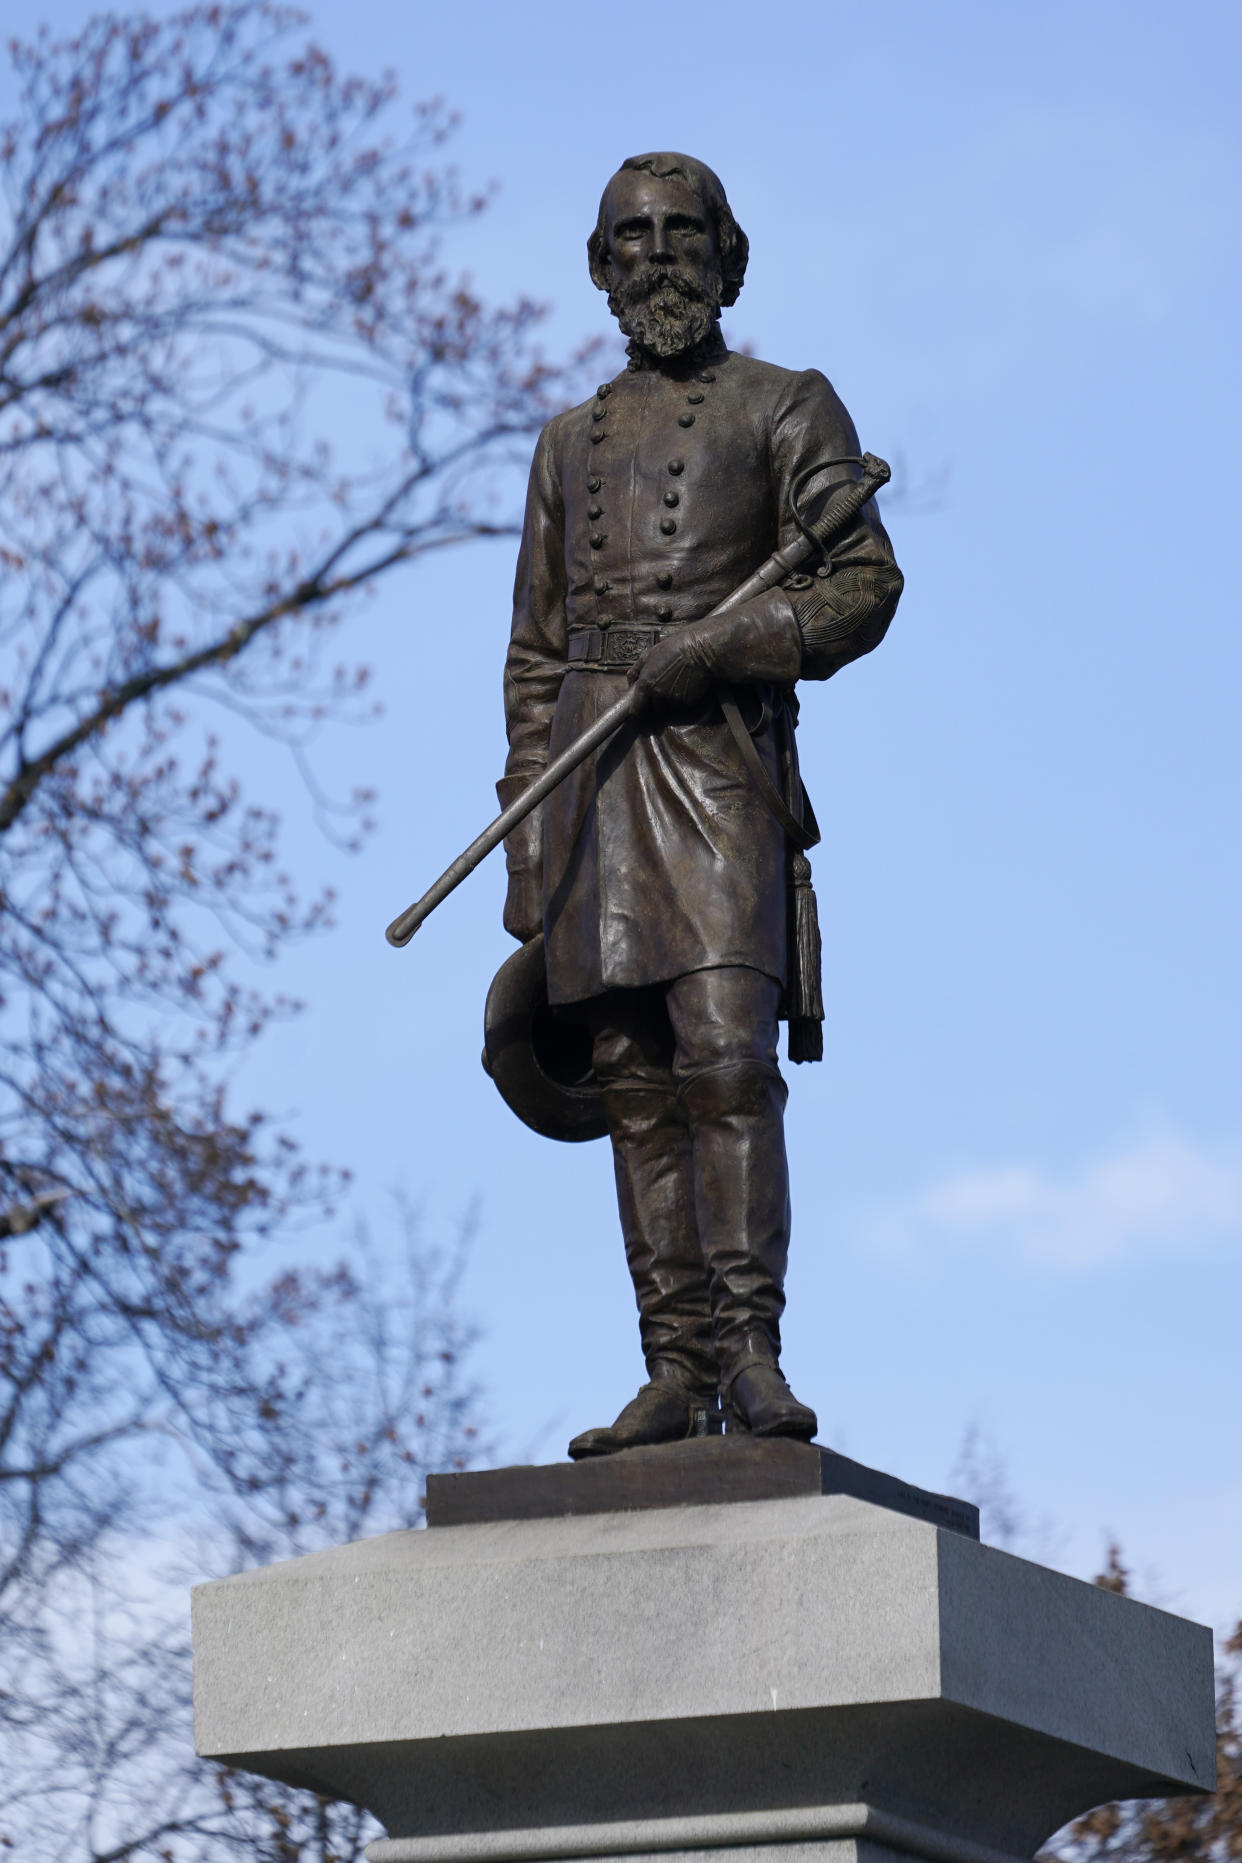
[[238, 386]]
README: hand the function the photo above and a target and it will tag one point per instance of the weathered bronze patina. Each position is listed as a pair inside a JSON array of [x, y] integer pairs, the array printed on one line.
[[660, 871]]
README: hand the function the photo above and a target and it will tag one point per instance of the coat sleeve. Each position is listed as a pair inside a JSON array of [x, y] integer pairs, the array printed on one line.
[[534, 668], [844, 613]]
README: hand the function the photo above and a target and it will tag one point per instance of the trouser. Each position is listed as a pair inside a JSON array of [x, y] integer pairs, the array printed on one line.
[[695, 1106]]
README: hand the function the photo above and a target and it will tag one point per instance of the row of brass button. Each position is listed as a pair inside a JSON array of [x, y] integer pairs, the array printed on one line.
[[672, 499]]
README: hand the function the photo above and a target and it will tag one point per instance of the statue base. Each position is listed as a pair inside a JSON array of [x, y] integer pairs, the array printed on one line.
[[817, 1673], [701, 1473]]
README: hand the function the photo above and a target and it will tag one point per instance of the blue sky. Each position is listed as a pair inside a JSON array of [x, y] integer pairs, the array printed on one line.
[[1009, 235]]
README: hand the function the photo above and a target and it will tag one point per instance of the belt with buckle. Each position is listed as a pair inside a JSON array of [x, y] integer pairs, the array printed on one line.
[[611, 646]]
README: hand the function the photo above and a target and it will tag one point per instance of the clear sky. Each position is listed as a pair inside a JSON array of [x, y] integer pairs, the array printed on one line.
[[1009, 235]]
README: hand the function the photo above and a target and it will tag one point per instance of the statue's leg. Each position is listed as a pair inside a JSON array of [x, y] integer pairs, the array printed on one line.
[[725, 1029], [633, 1055]]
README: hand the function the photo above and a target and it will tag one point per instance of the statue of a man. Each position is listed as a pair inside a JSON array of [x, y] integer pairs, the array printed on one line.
[[659, 872]]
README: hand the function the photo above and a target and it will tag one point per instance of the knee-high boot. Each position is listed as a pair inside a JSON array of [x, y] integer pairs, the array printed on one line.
[[655, 1198], [741, 1183], [654, 1169], [741, 1189]]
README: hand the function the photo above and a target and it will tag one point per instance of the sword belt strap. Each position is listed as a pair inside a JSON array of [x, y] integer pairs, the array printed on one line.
[[803, 833]]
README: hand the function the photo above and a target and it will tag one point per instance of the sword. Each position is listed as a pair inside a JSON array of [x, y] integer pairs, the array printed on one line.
[[837, 516]]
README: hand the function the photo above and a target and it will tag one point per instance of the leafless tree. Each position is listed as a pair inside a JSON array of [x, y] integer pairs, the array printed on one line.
[[360, 1384], [215, 251]]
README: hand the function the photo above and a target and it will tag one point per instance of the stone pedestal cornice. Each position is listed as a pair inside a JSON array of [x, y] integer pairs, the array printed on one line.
[[817, 1673]]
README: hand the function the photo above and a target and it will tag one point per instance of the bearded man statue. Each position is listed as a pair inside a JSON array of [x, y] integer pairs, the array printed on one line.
[[659, 873]]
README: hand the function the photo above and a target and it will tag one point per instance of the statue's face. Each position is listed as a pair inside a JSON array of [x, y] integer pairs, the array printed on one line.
[[664, 280], [659, 222]]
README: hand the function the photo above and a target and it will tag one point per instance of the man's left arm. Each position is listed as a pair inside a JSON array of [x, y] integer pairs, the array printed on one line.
[[817, 623], [844, 607]]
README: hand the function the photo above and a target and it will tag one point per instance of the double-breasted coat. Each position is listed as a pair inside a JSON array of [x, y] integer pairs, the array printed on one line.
[[647, 506]]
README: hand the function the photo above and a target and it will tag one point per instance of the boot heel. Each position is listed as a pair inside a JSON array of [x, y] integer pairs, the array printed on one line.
[[706, 1420]]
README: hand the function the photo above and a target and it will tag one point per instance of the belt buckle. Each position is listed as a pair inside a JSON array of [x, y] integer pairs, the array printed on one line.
[[622, 644]]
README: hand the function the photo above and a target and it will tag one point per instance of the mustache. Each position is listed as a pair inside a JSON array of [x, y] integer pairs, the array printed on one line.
[[666, 281]]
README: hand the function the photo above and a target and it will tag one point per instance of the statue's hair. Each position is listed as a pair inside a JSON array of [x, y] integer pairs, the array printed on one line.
[[733, 243]]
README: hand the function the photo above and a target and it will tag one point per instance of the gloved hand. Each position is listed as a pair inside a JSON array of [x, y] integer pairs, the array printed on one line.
[[759, 643], [523, 918]]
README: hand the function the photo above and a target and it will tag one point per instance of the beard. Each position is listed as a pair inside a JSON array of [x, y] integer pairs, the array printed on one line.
[[667, 312]]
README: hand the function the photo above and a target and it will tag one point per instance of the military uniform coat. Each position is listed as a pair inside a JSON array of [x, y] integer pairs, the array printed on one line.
[[646, 508]]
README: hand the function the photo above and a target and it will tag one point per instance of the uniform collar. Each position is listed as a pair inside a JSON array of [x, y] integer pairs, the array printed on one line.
[[711, 349]]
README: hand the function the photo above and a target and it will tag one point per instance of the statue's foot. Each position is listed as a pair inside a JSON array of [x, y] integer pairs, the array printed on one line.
[[759, 1401], [665, 1411]]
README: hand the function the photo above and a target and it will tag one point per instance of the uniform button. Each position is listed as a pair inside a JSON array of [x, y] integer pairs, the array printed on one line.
[[594, 511], [605, 388], [705, 375], [683, 420], [599, 433], [671, 499], [593, 484], [597, 539], [677, 467], [601, 588], [668, 526], [665, 579], [598, 413], [664, 612], [695, 400]]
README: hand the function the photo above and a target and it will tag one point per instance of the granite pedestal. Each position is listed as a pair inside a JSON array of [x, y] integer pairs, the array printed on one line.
[[809, 1679]]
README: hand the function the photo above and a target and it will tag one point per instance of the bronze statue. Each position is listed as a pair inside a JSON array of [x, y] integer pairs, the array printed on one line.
[[659, 871], [665, 877]]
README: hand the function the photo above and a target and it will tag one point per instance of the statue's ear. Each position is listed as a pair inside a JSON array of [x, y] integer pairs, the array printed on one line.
[[734, 254], [599, 260]]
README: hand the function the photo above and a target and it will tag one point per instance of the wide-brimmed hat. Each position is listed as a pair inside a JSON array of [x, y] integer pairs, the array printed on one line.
[[540, 1057]]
